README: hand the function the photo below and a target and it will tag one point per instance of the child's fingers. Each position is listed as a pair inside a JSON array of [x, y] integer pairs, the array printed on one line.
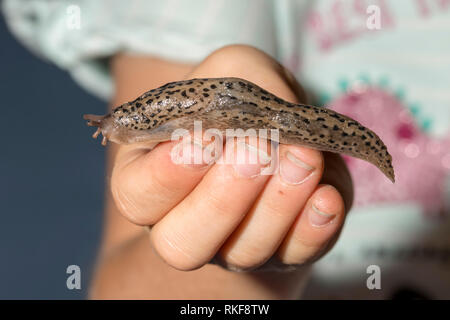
[[266, 225], [146, 185], [191, 234], [317, 224]]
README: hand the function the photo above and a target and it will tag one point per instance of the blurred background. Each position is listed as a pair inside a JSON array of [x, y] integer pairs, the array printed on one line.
[[51, 177], [52, 171]]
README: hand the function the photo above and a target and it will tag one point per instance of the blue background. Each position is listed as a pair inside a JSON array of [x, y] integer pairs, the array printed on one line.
[[51, 177]]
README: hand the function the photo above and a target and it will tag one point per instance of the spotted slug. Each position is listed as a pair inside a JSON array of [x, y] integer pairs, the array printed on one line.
[[232, 103]]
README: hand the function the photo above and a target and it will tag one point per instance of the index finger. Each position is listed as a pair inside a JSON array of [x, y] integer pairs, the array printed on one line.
[[146, 185]]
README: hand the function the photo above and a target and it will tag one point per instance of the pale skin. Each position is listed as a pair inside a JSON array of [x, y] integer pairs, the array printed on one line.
[[219, 212]]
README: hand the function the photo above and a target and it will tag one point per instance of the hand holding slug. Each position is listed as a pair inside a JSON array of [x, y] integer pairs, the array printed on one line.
[[229, 213]]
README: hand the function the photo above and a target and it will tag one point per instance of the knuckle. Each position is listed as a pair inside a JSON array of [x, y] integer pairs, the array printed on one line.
[[275, 210], [235, 57], [217, 205], [127, 207], [173, 251], [158, 185], [234, 50], [304, 244], [126, 203], [133, 198], [303, 253], [243, 260], [243, 264]]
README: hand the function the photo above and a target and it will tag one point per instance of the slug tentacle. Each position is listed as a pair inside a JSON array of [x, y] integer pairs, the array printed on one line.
[[97, 121], [96, 133], [233, 103]]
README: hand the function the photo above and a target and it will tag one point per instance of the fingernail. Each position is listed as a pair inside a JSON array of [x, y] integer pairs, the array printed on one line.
[[293, 170], [249, 160], [319, 218]]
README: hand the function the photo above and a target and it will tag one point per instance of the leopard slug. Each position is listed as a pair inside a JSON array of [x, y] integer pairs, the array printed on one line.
[[231, 103]]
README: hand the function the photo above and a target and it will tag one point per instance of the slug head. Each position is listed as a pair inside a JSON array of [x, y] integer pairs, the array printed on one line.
[[108, 127]]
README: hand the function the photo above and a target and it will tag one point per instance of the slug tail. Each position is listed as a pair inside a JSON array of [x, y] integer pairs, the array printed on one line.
[[387, 169], [381, 159]]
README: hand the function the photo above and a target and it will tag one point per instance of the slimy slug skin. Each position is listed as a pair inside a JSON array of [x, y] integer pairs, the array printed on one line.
[[233, 103]]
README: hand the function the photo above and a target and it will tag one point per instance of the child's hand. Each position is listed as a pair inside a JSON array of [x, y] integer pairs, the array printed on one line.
[[222, 212]]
